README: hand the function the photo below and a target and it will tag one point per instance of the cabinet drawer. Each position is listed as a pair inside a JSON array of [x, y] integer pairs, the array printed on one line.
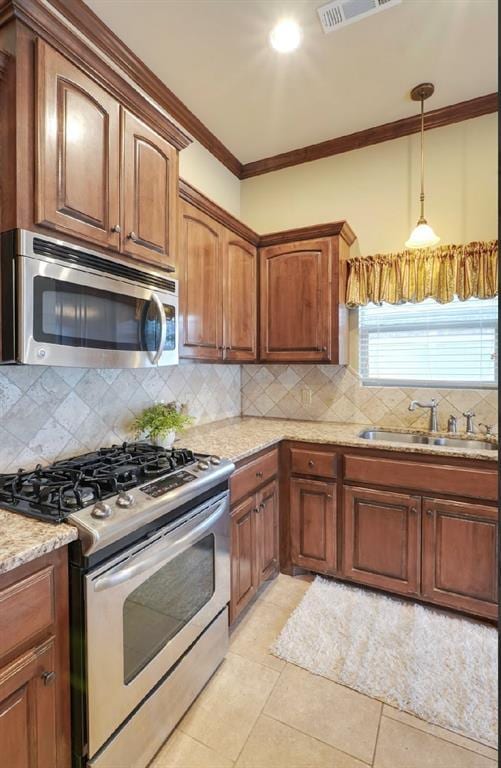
[[245, 480], [26, 609], [314, 463], [430, 478]]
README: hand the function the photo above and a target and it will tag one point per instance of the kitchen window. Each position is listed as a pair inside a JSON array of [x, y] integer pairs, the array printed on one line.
[[429, 344]]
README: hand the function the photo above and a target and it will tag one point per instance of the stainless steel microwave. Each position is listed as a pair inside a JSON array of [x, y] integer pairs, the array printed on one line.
[[65, 305]]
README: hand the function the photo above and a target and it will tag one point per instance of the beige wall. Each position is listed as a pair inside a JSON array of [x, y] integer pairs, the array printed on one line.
[[376, 189], [201, 169]]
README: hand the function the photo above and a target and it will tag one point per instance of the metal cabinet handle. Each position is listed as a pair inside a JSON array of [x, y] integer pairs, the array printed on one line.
[[329, 495], [324, 349], [261, 506], [48, 677], [311, 463], [116, 228], [259, 474], [132, 236], [429, 512], [413, 510]]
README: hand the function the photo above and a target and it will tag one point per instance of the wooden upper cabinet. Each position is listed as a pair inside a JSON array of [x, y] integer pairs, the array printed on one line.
[[77, 180], [460, 556], [300, 302], [239, 298], [149, 172], [200, 282], [382, 539]]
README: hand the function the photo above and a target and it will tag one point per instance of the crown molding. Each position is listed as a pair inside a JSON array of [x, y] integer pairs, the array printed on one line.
[[191, 195], [331, 229], [437, 118], [212, 209], [83, 18]]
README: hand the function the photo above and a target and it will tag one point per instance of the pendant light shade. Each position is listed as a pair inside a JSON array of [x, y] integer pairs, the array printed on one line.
[[422, 236]]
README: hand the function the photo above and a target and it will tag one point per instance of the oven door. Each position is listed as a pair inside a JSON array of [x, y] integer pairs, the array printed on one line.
[[68, 316], [146, 607]]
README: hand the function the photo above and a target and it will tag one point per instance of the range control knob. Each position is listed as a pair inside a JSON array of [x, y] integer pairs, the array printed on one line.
[[101, 510], [125, 499], [203, 465], [215, 460]]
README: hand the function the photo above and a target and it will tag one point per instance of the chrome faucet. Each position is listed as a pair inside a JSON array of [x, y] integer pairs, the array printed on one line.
[[470, 429], [433, 406]]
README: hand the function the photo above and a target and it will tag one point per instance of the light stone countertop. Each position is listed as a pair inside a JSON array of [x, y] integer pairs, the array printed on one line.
[[240, 437], [23, 539]]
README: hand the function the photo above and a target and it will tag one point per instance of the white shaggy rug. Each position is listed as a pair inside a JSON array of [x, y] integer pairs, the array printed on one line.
[[437, 666]]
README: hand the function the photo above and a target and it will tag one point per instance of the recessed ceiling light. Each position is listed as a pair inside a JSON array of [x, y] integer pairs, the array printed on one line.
[[286, 36]]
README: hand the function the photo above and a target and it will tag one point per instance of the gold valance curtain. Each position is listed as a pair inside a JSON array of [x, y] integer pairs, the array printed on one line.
[[439, 273]]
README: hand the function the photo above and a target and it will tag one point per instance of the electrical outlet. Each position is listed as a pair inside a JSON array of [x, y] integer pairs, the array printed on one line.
[[306, 395]]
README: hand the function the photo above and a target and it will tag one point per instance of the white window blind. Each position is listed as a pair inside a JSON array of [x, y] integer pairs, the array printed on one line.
[[429, 343]]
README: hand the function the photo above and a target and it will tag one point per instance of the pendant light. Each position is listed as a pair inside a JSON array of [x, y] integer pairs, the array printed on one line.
[[422, 236]]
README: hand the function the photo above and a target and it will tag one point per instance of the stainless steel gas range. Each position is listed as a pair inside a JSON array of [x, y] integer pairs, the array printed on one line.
[[150, 584]]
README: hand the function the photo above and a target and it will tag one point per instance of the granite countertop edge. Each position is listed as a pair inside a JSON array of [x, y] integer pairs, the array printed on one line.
[[23, 539]]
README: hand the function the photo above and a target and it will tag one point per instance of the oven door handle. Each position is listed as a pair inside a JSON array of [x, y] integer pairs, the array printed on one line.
[[163, 327], [139, 563]]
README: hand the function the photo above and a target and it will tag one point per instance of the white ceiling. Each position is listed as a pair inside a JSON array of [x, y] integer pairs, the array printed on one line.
[[215, 56]]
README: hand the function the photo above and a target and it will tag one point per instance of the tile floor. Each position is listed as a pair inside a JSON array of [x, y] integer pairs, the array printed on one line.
[[260, 712]]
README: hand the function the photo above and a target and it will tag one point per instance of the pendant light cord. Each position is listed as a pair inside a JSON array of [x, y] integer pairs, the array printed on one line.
[[422, 161]]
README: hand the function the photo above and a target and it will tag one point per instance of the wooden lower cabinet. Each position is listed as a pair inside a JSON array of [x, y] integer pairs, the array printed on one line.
[[28, 710], [381, 545], [313, 524], [34, 664], [460, 555], [267, 531], [254, 545], [244, 560]]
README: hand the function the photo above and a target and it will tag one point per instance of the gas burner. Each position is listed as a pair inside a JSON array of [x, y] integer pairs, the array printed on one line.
[[54, 492]]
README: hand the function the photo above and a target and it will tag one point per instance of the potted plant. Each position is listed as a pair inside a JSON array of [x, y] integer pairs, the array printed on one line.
[[160, 422]]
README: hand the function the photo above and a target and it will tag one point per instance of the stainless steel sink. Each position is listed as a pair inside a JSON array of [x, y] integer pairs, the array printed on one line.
[[406, 437]]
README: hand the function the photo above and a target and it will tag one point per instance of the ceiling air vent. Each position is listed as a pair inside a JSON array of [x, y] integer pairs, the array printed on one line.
[[338, 13]]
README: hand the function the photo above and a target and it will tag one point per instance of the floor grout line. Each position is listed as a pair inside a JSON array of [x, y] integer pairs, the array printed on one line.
[[377, 734], [441, 738], [261, 712]]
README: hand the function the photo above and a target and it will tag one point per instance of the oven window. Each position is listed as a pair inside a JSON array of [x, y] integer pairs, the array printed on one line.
[[162, 605], [81, 316]]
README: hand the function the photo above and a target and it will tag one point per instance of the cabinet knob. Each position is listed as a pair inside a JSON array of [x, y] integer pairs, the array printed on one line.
[[311, 463], [329, 495], [261, 506], [324, 349], [259, 474], [429, 512], [413, 510], [116, 228], [48, 677], [132, 236]]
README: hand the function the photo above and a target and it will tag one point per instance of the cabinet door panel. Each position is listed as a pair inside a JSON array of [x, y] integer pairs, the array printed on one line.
[[382, 539], [28, 710], [313, 524], [150, 193], [296, 301], [244, 556], [460, 555], [200, 285], [240, 296], [267, 530], [77, 182]]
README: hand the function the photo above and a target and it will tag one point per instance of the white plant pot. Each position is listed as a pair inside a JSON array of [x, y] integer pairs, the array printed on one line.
[[167, 441]]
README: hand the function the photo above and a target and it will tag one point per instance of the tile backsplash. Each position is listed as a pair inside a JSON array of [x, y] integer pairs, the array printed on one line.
[[50, 413], [336, 392], [47, 413]]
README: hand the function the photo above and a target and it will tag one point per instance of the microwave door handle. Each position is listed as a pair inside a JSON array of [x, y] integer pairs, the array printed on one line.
[[139, 563], [163, 327]]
